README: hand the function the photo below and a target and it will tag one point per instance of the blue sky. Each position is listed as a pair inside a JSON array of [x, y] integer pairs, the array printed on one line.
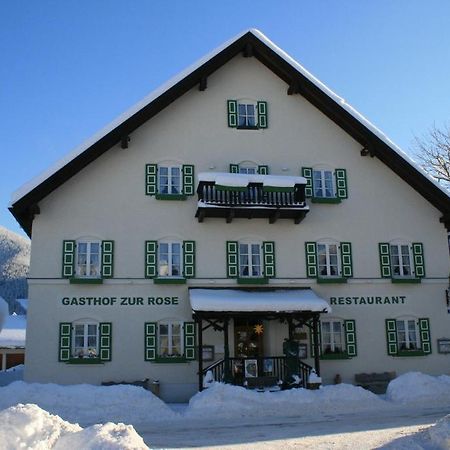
[[70, 67]]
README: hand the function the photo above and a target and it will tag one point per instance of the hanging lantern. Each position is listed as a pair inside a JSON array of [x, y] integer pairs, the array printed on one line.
[[258, 328]]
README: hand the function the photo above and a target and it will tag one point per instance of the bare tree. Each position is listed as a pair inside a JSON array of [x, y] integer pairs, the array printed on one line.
[[433, 153]]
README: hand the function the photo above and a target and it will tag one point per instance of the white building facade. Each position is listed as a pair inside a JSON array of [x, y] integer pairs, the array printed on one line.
[[243, 177]]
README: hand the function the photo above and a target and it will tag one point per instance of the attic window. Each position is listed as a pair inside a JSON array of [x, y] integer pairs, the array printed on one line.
[[247, 114]]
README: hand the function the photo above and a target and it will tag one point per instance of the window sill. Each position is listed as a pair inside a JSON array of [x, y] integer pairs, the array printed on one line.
[[335, 356], [247, 128], [322, 280], [85, 280], [169, 280], [170, 360], [407, 280], [170, 197], [410, 353], [262, 280], [330, 200], [84, 361]]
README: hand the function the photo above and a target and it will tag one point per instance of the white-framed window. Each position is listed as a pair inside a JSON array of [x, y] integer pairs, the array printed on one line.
[[332, 336], [247, 114], [85, 339], [328, 259], [401, 260], [170, 259], [323, 183], [407, 334], [88, 259], [250, 259], [170, 339], [169, 179], [247, 169]]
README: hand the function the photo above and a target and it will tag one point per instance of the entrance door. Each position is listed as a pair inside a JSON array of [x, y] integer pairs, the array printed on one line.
[[248, 343]]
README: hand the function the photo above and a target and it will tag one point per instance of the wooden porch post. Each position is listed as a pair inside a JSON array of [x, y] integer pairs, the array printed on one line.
[[316, 343], [290, 329], [226, 355], [200, 353]]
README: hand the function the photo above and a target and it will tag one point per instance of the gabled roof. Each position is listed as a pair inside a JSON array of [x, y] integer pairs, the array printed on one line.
[[251, 43]]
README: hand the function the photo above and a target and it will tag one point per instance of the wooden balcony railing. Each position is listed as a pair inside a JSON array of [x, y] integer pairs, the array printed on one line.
[[254, 201]]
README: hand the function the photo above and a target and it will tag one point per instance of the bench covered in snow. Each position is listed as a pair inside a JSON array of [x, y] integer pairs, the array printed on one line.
[[374, 382]]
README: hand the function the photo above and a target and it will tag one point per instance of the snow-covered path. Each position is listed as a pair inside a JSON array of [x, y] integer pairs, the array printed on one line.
[[358, 431]]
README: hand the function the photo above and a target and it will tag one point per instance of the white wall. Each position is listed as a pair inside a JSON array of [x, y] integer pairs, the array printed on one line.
[[106, 200]]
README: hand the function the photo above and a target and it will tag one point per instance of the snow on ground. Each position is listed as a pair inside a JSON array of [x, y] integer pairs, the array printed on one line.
[[416, 387], [334, 417], [224, 400], [88, 404], [28, 426]]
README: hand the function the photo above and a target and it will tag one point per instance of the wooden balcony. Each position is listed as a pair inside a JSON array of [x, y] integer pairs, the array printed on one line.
[[250, 202]]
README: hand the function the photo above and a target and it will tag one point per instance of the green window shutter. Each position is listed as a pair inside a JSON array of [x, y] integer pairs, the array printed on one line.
[[188, 179], [65, 341], [151, 179], [263, 170], [189, 340], [307, 173], [232, 113], [107, 259], [234, 168], [385, 259], [311, 340], [311, 259], [68, 260], [350, 337], [425, 339], [150, 340], [189, 259], [391, 336], [341, 183], [262, 114], [269, 259], [105, 341], [419, 262], [151, 248], [346, 259], [232, 259]]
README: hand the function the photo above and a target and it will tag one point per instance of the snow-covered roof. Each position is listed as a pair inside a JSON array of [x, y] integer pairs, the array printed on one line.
[[239, 300], [136, 115], [30, 185], [23, 303], [13, 331], [243, 179]]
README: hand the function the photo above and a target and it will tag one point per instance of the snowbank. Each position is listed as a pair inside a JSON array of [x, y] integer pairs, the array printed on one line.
[[440, 433], [28, 426], [416, 387], [109, 436], [89, 404], [222, 400]]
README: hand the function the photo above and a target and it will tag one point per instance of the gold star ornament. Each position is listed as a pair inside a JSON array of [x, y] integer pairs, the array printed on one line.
[[259, 329]]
